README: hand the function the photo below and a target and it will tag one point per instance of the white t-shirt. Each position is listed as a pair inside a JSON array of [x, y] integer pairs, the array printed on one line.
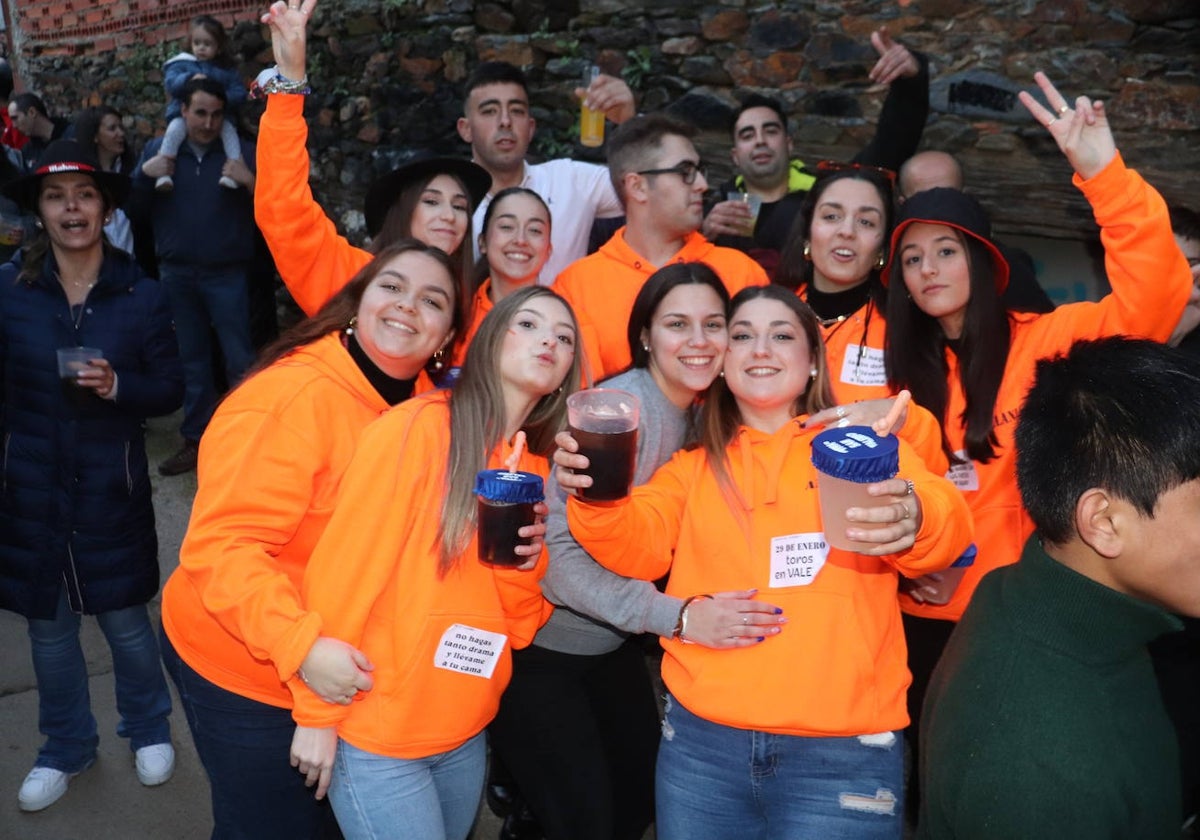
[[577, 193]]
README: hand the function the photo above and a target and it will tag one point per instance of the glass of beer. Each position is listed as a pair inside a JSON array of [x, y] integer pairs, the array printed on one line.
[[591, 123], [604, 423]]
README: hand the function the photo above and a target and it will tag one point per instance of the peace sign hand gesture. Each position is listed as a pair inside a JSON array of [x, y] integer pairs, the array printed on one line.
[[1082, 133]]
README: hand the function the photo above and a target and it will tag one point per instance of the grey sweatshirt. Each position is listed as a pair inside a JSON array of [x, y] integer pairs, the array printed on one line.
[[595, 609]]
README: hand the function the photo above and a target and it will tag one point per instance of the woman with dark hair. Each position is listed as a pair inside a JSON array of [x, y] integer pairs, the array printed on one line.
[[238, 638], [100, 132], [832, 260], [578, 725], [792, 734], [430, 199], [951, 342], [76, 521], [397, 573]]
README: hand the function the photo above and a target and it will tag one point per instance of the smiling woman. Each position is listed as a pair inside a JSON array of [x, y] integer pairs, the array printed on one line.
[[239, 640]]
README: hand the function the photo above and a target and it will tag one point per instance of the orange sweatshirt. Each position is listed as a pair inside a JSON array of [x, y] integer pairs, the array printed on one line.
[[839, 666], [313, 259], [602, 287], [270, 464], [441, 646], [854, 350], [1150, 285], [480, 307]]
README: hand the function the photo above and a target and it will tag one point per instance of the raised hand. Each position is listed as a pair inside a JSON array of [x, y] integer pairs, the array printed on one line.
[[288, 22], [1081, 132], [895, 61]]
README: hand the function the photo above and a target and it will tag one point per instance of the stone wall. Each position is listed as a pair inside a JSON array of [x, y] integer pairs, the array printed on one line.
[[387, 75]]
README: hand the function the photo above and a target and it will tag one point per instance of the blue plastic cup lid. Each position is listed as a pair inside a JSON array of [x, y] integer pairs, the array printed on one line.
[[510, 488], [856, 453], [967, 558]]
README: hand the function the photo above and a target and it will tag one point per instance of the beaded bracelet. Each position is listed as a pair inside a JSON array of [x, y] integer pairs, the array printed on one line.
[[272, 81]]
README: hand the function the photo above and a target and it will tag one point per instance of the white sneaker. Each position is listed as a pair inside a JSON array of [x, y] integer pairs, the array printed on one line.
[[228, 183], [165, 183], [155, 764], [43, 787]]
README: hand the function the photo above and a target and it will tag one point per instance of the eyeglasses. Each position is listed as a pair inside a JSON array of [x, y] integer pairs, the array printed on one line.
[[687, 170], [828, 167]]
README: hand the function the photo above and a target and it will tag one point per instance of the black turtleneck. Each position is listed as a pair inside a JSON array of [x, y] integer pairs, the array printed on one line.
[[833, 305], [391, 389]]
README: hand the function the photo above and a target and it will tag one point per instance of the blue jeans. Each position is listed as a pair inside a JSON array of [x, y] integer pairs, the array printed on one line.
[[715, 782], [245, 747], [432, 798], [203, 300], [64, 704]]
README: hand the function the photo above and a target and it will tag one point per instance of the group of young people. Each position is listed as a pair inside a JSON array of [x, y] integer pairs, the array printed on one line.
[[330, 564]]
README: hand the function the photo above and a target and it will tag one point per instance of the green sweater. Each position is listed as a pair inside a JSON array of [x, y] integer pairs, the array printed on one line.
[[1043, 718]]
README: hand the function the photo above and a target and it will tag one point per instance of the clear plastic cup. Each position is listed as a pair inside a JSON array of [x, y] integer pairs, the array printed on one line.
[[506, 501], [753, 204], [73, 360], [848, 460], [604, 422], [591, 123]]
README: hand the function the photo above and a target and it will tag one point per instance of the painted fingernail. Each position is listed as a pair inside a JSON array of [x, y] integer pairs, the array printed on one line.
[[778, 611], [762, 638]]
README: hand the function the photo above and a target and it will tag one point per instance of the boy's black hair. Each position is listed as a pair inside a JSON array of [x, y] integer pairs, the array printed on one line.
[[1116, 413]]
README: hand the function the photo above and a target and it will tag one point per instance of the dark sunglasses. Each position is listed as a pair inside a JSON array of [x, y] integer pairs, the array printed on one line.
[[828, 167], [685, 170]]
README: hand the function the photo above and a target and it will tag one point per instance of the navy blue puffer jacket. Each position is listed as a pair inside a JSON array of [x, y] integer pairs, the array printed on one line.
[[74, 489]]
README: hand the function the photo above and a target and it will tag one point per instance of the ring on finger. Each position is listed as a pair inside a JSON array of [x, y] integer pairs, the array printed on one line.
[[909, 489], [841, 412], [1062, 111], [907, 512]]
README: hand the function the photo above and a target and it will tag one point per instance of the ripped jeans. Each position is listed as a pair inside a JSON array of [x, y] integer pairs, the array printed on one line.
[[716, 782]]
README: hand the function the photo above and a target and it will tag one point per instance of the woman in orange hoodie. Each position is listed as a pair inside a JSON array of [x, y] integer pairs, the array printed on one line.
[[797, 735], [237, 632], [397, 574]]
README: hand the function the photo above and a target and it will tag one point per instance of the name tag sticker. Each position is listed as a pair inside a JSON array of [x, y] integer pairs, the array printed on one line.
[[797, 559], [963, 475], [469, 650], [866, 369]]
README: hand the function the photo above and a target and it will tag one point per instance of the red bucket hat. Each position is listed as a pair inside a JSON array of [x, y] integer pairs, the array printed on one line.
[[953, 208]]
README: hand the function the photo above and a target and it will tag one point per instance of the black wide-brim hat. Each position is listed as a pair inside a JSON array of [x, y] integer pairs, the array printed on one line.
[[953, 208], [384, 190], [65, 156]]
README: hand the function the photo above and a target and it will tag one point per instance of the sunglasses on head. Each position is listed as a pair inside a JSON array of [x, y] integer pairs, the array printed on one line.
[[829, 167]]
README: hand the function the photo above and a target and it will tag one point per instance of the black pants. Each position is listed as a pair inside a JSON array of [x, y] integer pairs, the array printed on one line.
[[580, 736], [926, 639]]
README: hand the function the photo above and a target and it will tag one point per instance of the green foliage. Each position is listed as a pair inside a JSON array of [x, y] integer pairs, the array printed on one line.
[[141, 60], [638, 67]]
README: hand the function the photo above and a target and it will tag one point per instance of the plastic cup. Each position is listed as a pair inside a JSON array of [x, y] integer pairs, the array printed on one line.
[[73, 360], [753, 204], [604, 422], [591, 123], [506, 501], [847, 461]]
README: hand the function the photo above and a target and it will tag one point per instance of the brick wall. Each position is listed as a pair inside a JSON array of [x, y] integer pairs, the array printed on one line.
[[75, 27]]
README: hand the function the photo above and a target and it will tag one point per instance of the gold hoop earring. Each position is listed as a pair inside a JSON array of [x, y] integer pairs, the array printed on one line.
[[351, 325], [439, 360], [808, 250]]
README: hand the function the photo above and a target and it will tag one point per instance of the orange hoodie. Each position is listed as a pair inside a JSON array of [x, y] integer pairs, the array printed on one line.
[[313, 259], [270, 464], [602, 287], [854, 350], [441, 646], [1150, 285], [839, 666]]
